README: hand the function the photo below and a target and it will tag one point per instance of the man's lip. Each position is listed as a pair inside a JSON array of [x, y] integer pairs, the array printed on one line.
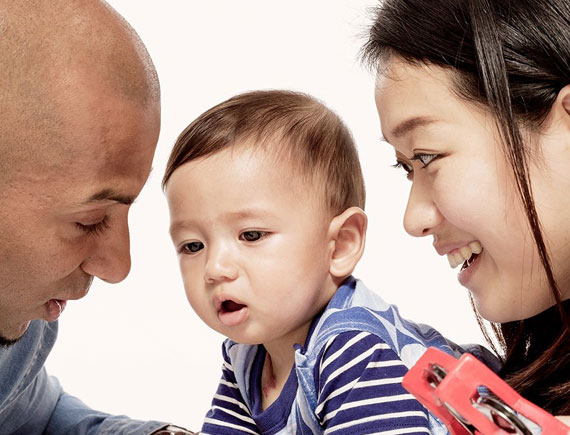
[[75, 296], [54, 308]]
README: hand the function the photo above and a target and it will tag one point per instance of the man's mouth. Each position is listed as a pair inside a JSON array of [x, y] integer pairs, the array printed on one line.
[[465, 255], [54, 309]]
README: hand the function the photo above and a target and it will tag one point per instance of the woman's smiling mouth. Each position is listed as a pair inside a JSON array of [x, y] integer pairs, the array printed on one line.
[[464, 255]]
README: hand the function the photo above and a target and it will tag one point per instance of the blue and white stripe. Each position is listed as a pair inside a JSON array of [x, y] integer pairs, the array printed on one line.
[[346, 379]]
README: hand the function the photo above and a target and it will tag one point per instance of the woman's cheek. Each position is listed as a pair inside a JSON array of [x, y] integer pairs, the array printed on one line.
[[459, 199]]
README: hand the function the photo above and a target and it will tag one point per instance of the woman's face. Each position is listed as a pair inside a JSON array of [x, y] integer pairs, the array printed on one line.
[[463, 192]]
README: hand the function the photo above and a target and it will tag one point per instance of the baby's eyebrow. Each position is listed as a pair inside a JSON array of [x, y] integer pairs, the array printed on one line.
[[248, 213], [179, 225]]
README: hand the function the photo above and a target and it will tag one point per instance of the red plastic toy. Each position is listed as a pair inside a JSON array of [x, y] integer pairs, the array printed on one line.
[[450, 389]]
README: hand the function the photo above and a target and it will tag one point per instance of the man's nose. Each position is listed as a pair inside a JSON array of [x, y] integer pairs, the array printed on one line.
[[110, 259], [422, 214]]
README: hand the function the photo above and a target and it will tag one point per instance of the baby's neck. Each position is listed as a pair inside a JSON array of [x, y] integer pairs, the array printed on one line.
[[279, 360], [273, 379]]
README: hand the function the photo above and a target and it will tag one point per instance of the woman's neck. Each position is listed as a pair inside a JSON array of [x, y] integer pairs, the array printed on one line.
[[539, 331], [537, 363]]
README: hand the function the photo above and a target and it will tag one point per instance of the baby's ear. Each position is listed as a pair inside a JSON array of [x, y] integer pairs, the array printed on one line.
[[347, 233]]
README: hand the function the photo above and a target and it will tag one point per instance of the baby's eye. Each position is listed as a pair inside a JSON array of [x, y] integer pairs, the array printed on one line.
[[425, 159], [192, 247], [252, 236]]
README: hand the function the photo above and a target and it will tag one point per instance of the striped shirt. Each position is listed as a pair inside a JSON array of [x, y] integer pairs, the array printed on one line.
[[346, 379]]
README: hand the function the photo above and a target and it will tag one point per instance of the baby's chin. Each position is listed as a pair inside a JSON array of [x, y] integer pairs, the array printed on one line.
[[245, 335]]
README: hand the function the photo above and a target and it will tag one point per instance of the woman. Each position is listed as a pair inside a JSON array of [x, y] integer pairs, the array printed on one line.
[[474, 96]]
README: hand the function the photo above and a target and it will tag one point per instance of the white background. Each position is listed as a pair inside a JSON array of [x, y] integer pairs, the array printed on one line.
[[137, 347]]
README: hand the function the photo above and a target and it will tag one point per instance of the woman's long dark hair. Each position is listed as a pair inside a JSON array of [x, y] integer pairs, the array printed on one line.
[[514, 57]]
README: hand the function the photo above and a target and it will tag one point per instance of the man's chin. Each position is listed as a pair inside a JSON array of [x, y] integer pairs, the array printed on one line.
[[7, 341]]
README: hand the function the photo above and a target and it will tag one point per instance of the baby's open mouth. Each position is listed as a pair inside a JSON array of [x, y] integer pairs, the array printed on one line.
[[230, 306], [232, 313]]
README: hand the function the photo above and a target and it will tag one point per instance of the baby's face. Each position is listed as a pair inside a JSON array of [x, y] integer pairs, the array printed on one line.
[[253, 245]]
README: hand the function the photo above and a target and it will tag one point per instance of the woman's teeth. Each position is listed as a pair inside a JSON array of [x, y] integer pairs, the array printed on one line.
[[463, 254]]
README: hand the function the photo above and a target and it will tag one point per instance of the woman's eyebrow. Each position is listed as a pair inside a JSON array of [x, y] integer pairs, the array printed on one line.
[[405, 127]]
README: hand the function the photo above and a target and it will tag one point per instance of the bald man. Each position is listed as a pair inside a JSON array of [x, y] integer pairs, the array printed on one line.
[[80, 118]]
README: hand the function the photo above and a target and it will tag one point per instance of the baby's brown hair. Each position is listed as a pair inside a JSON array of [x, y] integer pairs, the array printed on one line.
[[312, 138]]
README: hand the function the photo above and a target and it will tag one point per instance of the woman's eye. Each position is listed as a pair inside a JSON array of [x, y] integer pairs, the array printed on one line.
[[193, 247], [252, 236], [406, 167], [425, 159]]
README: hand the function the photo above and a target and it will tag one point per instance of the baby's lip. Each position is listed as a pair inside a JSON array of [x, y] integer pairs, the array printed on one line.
[[231, 311], [230, 306], [222, 302]]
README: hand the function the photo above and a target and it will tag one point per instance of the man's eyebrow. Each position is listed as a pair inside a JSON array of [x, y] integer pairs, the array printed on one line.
[[408, 125], [111, 195]]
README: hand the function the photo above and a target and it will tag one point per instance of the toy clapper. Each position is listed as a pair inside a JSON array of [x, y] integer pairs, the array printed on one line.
[[471, 399]]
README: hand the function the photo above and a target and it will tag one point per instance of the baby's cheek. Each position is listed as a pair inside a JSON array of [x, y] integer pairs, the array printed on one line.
[[194, 295]]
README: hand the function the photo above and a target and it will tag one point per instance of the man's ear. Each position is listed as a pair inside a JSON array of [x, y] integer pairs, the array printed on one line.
[[347, 233]]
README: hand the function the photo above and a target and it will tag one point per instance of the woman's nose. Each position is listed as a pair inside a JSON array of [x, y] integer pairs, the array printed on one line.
[[422, 214]]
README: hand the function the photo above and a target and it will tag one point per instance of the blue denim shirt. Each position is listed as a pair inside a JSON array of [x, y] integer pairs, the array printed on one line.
[[31, 402]]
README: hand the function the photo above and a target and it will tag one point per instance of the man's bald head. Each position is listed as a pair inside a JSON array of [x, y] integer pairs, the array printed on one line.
[[52, 53], [80, 111]]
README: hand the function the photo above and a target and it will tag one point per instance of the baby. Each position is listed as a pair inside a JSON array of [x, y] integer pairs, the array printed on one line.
[[266, 199]]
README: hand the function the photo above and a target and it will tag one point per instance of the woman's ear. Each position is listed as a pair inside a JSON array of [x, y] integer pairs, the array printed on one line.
[[347, 232], [564, 94], [561, 106]]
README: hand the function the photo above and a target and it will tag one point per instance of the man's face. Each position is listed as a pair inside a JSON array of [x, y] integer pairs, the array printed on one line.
[[63, 216]]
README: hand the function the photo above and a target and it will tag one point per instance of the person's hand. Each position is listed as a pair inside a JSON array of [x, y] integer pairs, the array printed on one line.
[[564, 419], [173, 430]]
